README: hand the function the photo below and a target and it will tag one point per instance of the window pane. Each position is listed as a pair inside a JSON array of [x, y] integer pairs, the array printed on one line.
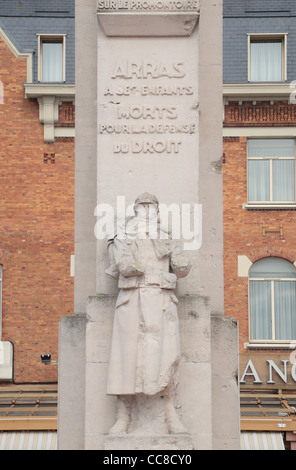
[[285, 310], [260, 310], [271, 148], [266, 60], [272, 268], [258, 180], [283, 180], [52, 61]]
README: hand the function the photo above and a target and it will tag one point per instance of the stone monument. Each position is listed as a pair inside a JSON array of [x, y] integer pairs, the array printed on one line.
[[149, 123]]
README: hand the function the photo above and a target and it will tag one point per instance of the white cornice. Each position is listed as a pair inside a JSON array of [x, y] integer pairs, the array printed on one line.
[[64, 91], [257, 91]]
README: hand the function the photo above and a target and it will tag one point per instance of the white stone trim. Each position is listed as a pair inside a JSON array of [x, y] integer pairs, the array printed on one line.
[[35, 90], [72, 265], [253, 91], [265, 345], [19, 55], [263, 132], [243, 266], [271, 205], [6, 360], [64, 132]]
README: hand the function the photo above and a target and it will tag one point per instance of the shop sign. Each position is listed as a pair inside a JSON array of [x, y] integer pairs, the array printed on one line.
[[259, 370]]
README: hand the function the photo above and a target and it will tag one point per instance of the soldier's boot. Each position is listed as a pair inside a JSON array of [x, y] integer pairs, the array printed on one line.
[[172, 419], [123, 416]]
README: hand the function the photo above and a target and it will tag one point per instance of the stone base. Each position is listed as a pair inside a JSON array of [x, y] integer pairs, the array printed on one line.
[[212, 421], [148, 442]]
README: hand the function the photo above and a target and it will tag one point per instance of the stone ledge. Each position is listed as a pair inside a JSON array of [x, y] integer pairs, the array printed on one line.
[[149, 24]]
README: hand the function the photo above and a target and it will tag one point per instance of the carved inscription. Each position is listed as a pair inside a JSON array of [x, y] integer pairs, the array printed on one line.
[[147, 146], [151, 129], [176, 128], [147, 112], [158, 5], [146, 69], [149, 90]]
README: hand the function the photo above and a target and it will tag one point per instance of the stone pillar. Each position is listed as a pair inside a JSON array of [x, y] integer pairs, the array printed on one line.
[[149, 118]]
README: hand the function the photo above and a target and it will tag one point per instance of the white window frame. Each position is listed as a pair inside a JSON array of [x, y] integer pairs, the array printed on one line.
[[271, 202], [261, 36], [272, 341], [54, 37], [1, 282]]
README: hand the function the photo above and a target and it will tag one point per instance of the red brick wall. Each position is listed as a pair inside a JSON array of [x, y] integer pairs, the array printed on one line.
[[243, 232], [37, 228]]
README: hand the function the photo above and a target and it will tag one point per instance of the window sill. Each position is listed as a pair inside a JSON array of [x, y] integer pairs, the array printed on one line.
[[271, 206], [291, 345], [36, 90], [267, 82]]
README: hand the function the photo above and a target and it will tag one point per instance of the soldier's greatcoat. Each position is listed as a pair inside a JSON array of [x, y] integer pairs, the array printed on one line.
[[145, 344]]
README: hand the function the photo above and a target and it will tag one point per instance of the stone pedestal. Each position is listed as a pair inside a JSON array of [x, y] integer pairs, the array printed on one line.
[[206, 398], [149, 118]]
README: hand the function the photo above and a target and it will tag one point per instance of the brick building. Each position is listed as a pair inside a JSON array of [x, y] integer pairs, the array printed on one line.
[[37, 118], [259, 211]]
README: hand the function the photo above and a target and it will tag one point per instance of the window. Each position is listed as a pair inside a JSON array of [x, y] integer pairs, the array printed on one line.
[[272, 300], [271, 171], [267, 58], [51, 58]]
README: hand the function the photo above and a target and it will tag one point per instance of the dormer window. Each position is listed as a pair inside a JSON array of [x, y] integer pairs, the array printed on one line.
[[267, 58], [51, 58]]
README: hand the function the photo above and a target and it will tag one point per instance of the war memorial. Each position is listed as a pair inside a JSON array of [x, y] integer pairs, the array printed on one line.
[[148, 361]]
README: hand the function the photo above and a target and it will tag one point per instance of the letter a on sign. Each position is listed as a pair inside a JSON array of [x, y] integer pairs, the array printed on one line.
[[252, 372]]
